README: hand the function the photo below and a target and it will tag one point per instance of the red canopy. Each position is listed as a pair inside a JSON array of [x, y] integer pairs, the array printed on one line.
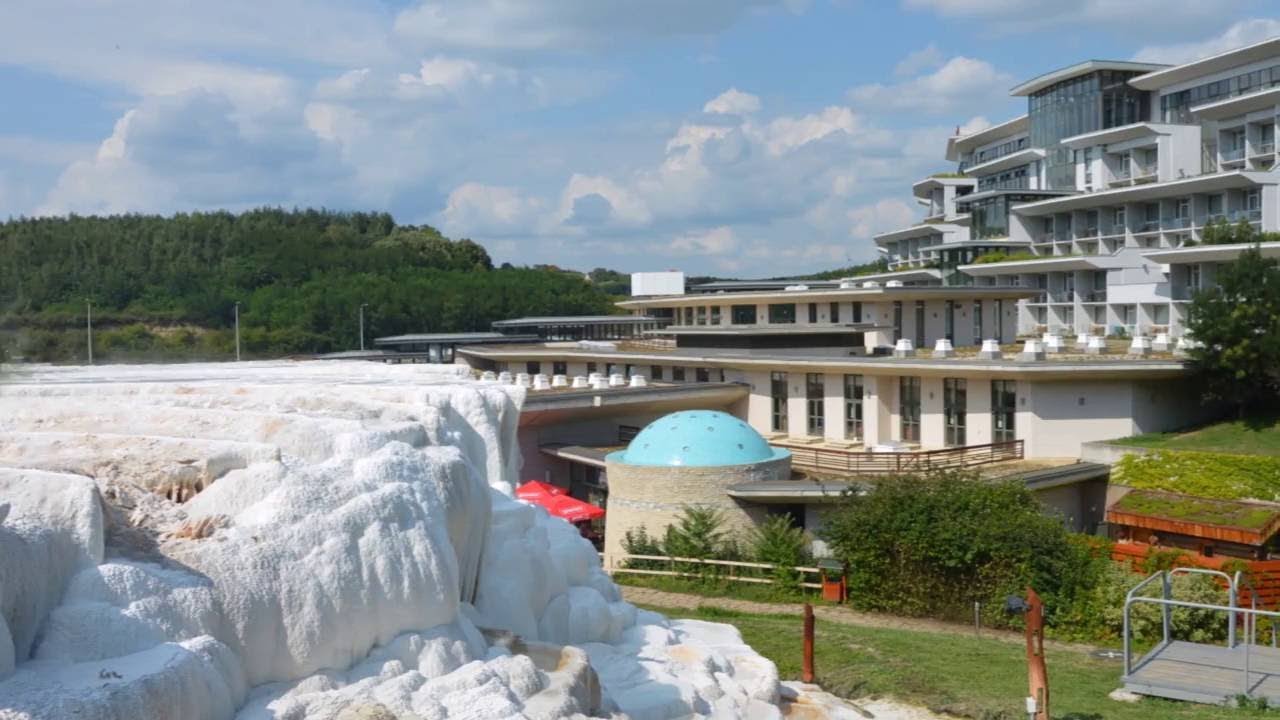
[[557, 502]]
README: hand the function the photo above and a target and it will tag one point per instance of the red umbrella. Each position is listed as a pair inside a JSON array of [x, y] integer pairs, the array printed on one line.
[[557, 502]]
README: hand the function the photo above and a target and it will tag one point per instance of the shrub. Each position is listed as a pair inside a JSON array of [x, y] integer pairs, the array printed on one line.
[[932, 546], [1098, 614], [699, 533], [1211, 475], [785, 546]]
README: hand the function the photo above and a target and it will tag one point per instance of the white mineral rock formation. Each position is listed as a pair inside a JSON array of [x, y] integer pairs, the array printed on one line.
[[330, 540]]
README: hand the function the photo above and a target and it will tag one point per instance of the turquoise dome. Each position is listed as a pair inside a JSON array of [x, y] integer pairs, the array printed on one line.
[[697, 438]]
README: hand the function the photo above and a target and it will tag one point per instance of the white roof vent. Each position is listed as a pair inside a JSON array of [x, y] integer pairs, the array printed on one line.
[[847, 285], [796, 288], [893, 283], [871, 284]]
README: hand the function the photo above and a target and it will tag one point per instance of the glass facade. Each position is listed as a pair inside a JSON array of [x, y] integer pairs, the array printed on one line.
[[1004, 411], [782, 313], [743, 314], [1096, 101], [989, 217], [1176, 107]]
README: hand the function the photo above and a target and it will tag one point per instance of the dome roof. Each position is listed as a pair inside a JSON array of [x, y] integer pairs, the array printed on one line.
[[697, 438]]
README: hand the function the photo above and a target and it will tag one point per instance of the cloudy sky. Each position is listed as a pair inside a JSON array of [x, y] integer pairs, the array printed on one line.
[[733, 137]]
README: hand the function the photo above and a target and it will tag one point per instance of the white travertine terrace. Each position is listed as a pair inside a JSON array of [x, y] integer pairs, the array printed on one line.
[[312, 540]]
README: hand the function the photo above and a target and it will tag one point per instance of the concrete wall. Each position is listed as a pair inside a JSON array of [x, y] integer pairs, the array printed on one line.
[[1060, 416], [652, 497]]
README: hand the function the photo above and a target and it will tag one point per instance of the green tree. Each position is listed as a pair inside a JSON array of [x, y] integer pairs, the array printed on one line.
[[698, 532], [1236, 326]]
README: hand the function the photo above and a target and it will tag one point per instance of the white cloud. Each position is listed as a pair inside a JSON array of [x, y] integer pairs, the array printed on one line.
[[1121, 15], [1245, 32], [732, 102], [881, 216], [489, 210], [715, 241], [788, 133], [975, 124], [960, 83], [926, 58]]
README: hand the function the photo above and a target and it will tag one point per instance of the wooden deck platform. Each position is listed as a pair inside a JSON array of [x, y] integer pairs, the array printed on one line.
[[1212, 674]]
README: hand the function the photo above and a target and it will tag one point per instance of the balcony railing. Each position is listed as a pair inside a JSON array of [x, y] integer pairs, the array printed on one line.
[[1233, 154], [1267, 148], [862, 462], [1089, 233], [1149, 226], [1176, 223], [1246, 215], [1145, 172], [1094, 296]]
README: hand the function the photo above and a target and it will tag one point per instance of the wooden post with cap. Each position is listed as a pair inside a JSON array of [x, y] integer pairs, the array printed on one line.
[[1037, 672], [806, 672]]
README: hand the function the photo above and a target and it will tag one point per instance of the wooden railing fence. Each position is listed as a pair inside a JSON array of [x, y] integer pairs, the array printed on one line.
[[727, 570], [865, 462]]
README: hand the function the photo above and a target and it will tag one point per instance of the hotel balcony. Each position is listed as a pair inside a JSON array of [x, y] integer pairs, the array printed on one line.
[[1263, 150], [1149, 226], [1233, 155], [1252, 216], [1094, 296], [1176, 223], [854, 461]]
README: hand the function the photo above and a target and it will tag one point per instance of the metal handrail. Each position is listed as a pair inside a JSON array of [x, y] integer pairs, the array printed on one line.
[[1166, 604]]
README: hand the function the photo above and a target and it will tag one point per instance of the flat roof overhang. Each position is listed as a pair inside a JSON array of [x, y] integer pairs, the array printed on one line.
[[789, 491], [921, 230], [988, 194], [1123, 133], [417, 338], [592, 455], [1041, 82], [1238, 105], [553, 406], [1047, 264], [570, 320], [907, 292], [1210, 253], [1167, 75], [722, 287], [1005, 162], [1116, 368], [934, 182], [1154, 191], [914, 275], [957, 145], [747, 330]]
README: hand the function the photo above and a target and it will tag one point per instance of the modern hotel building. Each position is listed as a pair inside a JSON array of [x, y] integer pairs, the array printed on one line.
[[1107, 183]]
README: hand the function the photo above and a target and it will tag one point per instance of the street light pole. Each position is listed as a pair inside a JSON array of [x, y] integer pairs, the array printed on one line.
[[362, 307], [237, 311], [88, 322]]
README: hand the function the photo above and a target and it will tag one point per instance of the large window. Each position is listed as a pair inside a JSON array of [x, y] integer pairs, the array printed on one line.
[[919, 324], [909, 408], [853, 407], [715, 314], [857, 313], [701, 315], [954, 408], [949, 321], [743, 314], [977, 322], [559, 368], [1094, 101], [533, 367], [782, 313], [897, 320], [1004, 410], [778, 397], [835, 312], [999, 308], [814, 399], [688, 316], [655, 372], [813, 313], [702, 374], [677, 373]]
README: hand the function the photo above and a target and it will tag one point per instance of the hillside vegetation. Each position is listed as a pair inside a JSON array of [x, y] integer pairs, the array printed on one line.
[[167, 286]]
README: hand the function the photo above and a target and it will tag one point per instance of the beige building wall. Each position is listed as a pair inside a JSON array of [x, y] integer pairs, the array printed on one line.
[[1059, 416], [932, 423], [653, 496]]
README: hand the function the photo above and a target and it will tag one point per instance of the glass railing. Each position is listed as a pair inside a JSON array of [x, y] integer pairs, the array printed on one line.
[[1233, 154], [1246, 215], [1266, 148], [1149, 226], [1145, 171], [1175, 223], [1089, 233], [1095, 296]]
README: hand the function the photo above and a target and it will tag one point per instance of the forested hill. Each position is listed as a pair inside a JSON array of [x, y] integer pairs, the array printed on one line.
[[167, 286]]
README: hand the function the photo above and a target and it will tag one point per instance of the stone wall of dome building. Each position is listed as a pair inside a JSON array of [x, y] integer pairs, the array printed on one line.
[[652, 496], [687, 459]]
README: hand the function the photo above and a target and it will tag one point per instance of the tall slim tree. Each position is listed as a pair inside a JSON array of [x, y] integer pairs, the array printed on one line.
[[1236, 325]]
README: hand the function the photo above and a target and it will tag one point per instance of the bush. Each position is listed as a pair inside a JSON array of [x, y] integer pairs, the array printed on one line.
[[1211, 475], [932, 546], [699, 533], [778, 542], [1098, 614]]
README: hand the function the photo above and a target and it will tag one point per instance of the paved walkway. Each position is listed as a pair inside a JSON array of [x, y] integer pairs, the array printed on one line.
[[831, 613]]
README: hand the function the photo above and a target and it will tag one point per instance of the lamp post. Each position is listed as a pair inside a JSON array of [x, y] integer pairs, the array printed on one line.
[[88, 323], [362, 307], [237, 312]]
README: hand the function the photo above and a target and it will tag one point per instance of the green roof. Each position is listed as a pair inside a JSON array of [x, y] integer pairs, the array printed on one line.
[[1202, 511]]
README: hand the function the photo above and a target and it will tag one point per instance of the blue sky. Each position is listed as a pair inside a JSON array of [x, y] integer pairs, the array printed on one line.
[[731, 137]]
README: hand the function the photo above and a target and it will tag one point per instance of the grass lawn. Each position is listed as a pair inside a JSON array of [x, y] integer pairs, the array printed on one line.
[[967, 677], [1252, 436]]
